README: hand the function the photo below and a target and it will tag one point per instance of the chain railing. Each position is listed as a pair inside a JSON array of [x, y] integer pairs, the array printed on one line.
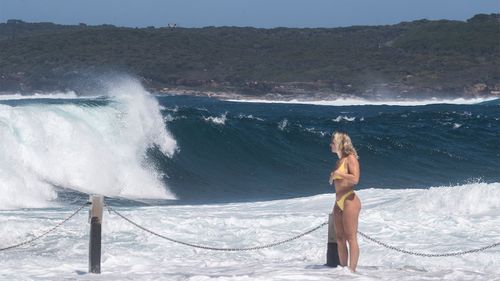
[[47, 231], [215, 248], [277, 243], [451, 254], [296, 237]]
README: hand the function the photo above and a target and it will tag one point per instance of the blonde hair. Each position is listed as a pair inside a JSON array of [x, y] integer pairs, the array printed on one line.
[[343, 144]]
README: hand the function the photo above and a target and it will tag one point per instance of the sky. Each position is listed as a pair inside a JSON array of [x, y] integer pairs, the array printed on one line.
[[256, 13]]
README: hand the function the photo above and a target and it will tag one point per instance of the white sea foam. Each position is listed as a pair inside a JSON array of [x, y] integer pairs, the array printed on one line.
[[436, 220], [345, 118], [67, 95], [219, 120], [283, 124], [98, 149], [357, 101], [243, 116]]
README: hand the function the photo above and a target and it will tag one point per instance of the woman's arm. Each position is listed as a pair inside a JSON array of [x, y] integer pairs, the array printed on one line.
[[352, 175]]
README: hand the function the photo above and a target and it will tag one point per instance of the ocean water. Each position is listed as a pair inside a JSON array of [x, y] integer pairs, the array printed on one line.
[[228, 173]]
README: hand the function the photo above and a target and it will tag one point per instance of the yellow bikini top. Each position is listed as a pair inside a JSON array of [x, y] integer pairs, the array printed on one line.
[[342, 169]]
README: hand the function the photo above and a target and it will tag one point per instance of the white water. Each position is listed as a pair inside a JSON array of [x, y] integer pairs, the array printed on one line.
[[344, 118], [68, 95], [437, 220], [357, 101], [220, 120], [91, 149]]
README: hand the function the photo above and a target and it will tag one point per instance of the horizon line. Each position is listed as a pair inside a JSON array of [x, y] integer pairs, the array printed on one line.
[[176, 25]]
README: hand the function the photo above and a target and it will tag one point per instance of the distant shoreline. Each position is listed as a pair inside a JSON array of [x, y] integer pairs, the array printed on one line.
[[302, 98], [376, 93]]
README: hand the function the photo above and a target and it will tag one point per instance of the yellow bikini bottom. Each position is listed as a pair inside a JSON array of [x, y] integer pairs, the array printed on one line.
[[342, 199]]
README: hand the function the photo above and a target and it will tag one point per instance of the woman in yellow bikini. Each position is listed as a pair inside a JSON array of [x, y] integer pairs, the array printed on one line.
[[347, 204]]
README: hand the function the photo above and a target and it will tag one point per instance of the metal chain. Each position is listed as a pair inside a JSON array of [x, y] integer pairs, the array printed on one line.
[[46, 232], [298, 236], [250, 248], [427, 254], [214, 248]]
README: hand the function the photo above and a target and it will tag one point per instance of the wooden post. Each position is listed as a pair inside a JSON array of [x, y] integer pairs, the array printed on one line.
[[95, 219], [332, 252]]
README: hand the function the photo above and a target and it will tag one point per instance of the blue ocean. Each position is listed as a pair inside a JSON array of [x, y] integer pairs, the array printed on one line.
[[242, 172], [232, 152], [247, 151]]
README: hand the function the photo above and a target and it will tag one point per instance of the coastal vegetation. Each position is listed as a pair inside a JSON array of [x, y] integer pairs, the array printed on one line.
[[409, 59]]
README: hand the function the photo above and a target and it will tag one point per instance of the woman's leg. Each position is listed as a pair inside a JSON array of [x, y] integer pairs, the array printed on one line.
[[350, 218], [339, 232]]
